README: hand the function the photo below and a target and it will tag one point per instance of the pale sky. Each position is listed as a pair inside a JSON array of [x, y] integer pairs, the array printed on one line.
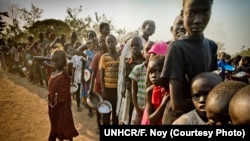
[[229, 23]]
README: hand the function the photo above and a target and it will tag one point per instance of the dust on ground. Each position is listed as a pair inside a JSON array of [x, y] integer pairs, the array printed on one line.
[[24, 112]]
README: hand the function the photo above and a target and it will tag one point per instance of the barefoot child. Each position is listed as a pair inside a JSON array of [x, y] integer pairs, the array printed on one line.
[[59, 97]]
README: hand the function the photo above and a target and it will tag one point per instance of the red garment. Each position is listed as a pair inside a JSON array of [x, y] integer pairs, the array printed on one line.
[[60, 114], [94, 66], [157, 95]]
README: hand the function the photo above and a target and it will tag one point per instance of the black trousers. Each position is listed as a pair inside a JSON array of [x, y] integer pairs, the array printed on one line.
[[112, 98]]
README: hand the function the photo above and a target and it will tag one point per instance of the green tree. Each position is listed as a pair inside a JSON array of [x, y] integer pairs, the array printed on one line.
[[98, 20], [12, 29], [15, 15], [119, 32], [7, 30], [55, 26], [244, 51], [79, 25], [30, 17], [82, 25], [3, 23]]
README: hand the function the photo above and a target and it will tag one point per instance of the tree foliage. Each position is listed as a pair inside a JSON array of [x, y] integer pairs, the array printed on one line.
[[119, 33], [55, 26], [30, 16], [244, 51], [98, 19], [82, 25], [79, 25], [2, 23], [15, 15], [72, 22]]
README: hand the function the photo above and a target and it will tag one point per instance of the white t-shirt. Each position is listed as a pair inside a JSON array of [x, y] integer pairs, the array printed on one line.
[[77, 64]]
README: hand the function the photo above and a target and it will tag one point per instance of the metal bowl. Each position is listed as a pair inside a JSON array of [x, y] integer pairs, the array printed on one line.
[[93, 99], [240, 74], [104, 107], [24, 70], [73, 88], [30, 62], [86, 75]]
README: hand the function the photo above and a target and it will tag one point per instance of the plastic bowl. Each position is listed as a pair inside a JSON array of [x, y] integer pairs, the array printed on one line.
[[94, 99], [104, 107], [229, 68], [73, 88]]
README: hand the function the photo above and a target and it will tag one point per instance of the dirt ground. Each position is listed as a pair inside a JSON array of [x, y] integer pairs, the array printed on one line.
[[24, 113]]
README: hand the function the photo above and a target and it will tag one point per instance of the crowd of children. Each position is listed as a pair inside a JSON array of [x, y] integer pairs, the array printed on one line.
[[180, 81]]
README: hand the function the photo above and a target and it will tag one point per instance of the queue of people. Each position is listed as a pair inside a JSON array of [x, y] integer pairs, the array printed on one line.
[[182, 81]]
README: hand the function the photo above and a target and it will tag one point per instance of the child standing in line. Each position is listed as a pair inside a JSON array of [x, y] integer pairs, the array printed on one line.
[[156, 95], [109, 63], [59, 97], [89, 53], [77, 75], [104, 29], [201, 85], [239, 107], [69, 47], [147, 47], [222, 63], [177, 29], [147, 30], [138, 89], [159, 48], [136, 58], [121, 76], [187, 57], [95, 84], [95, 80], [218, 99]]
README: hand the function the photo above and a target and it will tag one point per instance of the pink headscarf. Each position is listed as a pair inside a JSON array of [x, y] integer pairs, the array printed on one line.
[[159, 48]]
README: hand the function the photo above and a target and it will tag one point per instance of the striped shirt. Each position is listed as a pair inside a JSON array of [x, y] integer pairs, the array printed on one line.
[[138, 74], [110, 65]]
